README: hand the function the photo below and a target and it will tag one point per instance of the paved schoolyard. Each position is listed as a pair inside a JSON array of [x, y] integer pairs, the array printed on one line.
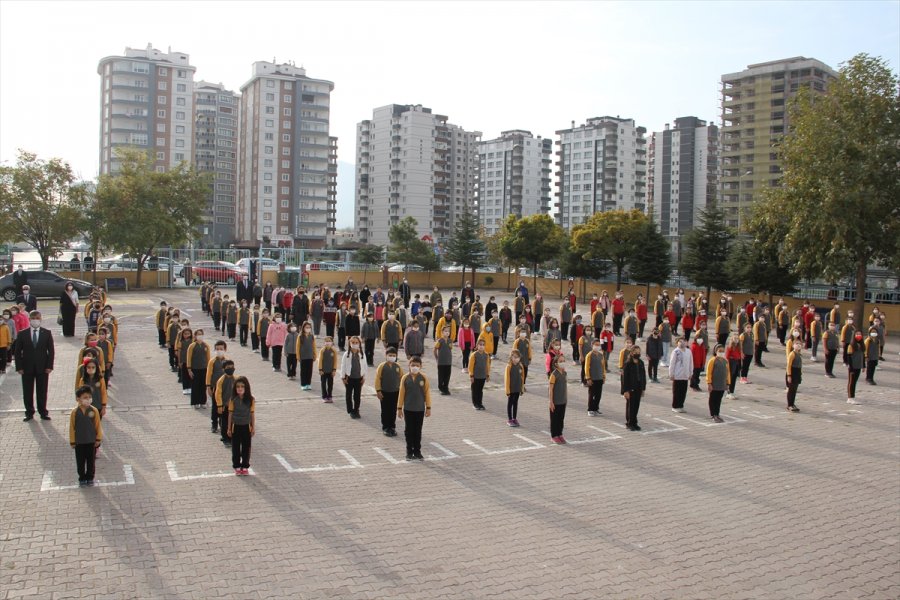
[[766, 505]]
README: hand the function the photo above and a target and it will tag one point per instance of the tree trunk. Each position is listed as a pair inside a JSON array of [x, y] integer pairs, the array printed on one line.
[[140, 271], [860, 305], [462, 280], [365, 273], [508, 278], [534, 279], [619, 269], [45, 258]]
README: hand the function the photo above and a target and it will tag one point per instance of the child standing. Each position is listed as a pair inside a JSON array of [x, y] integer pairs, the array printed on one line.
[[353, 374], [327, 368], [794, 376], [443, 354], [197, 361], [387, 388], [515, 383], [231, 319], [89, 376], [413, 405], [735, 358], [594, 374], [306, 352], [255, 317], [275, 338], [466, 341], [85, 434], [215, 370], [488, 339], [223, 391], [479, 373], [698, 354], [553, 351], [262, 330], [290, 350], [369, 335], [718, 377], [241, 425], [185, 339], [243, 321], [161, 315], [558, 393], [522, 345]]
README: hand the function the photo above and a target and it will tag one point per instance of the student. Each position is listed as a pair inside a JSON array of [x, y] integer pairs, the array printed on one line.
[[553, 351], [488, 339], [654, 355], [466, 342], [197, 359], [275, 338], [760, 335], [216, 307], [583, 348], [306, 353], [446, 320], [231, 319], [108, 350], [594, 372], [6, 337], [172, 335], [687, 324], [735, 358], [618, 309], [631, 326], [85, 434], [608, 339], [831, 343], [634, 383], [856, 358], [185, 339], [223, 391], [558, 385], [624, 355], [718, 377], [681, 369], [353, 374], [89, 375], [698, 355], [255, 317], [340, 320], [552, 334], [565, 317], [748, 348], [290, 351], [243, 322], [640, 309], [515, 385], [443, 354], [793, 376], [161, 323], [317, 312], [414, 342], [522, 345], [848, 333], [723, 328], [387, 388], [262, 331], [328, 365], [241, 425], [506, 317], [494, 327], [413, 405], [215, 370], [369, 336], [479, 374], [872, 352], [665, 335]]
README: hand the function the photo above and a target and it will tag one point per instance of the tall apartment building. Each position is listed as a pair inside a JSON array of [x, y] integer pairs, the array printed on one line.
[[683, 176], [146, 102], [754, 119], [513, 178], [216, 116], [410, 162], [286, 191], [602, 167]]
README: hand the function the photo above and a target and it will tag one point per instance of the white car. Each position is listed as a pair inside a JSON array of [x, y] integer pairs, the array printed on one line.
[[402, 268]]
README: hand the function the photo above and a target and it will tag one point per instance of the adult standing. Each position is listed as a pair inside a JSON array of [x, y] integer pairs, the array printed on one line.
[[34, 362], [467, 292], [68, 309], [20, 279], [523, 290], [405, 292], [244, 290], [350, 286], [634, 383], [27, 298]]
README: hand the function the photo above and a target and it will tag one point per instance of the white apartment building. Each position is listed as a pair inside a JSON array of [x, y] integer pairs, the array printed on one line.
[[411, 162], [146, 102], [513, 178], [683, 176], [602, 167], [286, 187]]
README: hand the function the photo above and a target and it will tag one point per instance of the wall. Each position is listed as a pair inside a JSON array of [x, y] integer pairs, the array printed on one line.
[[149, 279]]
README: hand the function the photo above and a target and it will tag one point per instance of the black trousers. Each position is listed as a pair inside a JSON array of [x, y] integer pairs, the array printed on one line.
[[852, 378], [757, 354], [679, 392], [478, 392], [306, 368], [263, 348], [353, 389], [32, 383], [240, 447], [641, 324], [715, 402], [173, 362], [291, 360], [3, 359], [223, 422], [564, 330], [870, 370], [232, 330], [595, 392], [327, 383], [413, 431], [84, 461], [198, 387], [512, 405], [465, 358], [617, 323], [342, 338], [389, 410], [504, 330], [444, 372], [695, 378], [217, 320], [745, 365], [735, 366], [781, 332], [161, 335], [254, 341], [653, 368], [632, 406], [370, 352], [497, 343], [214, 417], [276, 356], [329, 329], [557, 420], [792, 392], [830, 355]]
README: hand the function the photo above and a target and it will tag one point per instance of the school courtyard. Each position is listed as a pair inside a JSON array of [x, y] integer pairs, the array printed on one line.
[[768, 504]]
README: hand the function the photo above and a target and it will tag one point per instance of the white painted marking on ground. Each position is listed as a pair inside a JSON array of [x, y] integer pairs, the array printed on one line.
[[749, 412], [354, 464], [448, 454], [533, 445], [388, 456], [590, 440], [47, 484], [174, 476]]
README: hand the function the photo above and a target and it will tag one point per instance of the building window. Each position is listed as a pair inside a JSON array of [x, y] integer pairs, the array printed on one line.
[[270, 97], [179, 116], [179, 143], [285, 176], [179, 102], [285, 164], [270, 110], [161, 85], [270, 123], [162, 71], [179, 156], [287, 98], [267, 162], [180, 87], [287, 112], [267, 176], [160, 141], [160, 127], [161, 113], [285, 124], [161, 99], [181, 74], [269, 137], [179, 129], [285, 137], [285, 190], [160, 155], [270, 83]]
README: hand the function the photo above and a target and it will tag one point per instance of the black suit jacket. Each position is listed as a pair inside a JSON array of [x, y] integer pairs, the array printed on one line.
[[244, 291], [34, 360], [30, 305]]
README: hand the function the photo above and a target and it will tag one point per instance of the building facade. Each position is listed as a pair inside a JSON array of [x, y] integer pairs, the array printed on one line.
[[754, 119], [216, 127], [410, 162], [146, 102], [683, 176], [286, 182], [513, 178], [602, 167]]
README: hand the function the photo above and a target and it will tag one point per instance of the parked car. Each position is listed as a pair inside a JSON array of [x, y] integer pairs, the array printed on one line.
[[325, 266], [268, 264], [43, 284], [126, 263], [219, 271], [401, 268]]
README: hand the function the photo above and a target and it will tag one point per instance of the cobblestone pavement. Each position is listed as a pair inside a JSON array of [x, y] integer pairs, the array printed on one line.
[[766, 505]]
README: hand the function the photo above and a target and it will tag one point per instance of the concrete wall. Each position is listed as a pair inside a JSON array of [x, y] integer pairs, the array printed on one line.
[[149, 279]]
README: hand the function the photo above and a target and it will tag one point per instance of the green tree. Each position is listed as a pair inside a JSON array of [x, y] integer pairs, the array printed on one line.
[[840, 193], [145, 209], [612, 236], [40, 203], [466, 248], [407, 248], [652, 259], [759, 268], [368, 255], [706, 251], [574, 263], [91, 225], [533, 240]]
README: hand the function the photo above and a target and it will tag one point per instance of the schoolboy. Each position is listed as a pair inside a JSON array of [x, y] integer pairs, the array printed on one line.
[[85, 434], [387, 388]]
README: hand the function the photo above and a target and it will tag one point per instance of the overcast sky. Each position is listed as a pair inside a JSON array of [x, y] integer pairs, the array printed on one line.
[[489, 66]]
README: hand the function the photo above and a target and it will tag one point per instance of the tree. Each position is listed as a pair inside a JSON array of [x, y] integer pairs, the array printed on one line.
[[532, 240], [612, 236], [466, 248], [706, 251], [146, 209], [40, 203], [91, 225], [575, 264], [758, 267], [652, 259], [368, 255], [407, 248], [840, 193]]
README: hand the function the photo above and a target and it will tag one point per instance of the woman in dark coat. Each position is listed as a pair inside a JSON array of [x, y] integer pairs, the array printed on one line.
[[68, 308]]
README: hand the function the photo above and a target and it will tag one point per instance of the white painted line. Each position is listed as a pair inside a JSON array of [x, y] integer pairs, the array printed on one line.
[[174, 476], [448, 454], [388, 456], [590, 440], [751, 413], [47, 484], [672, 427], [533, 445], [690, 420], [354, 464]]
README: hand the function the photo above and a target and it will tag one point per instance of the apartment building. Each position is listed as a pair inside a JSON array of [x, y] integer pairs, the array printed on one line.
[[754, 119], [602, 167], [288, 160], [513, 178], [146, 102], [411, 162]]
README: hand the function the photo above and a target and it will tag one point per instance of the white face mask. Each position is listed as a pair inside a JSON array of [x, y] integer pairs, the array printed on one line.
[[328, 344], [198, 338], [390, 317], [278, 319], [36, 323], [873, 335], [796, 334], [720, 354], [523, 334], [354, 346], [391, 359], [414, 370], [596, 348], [220, 353]]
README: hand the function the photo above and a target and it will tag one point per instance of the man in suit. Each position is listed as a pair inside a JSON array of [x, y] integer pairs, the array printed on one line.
[[27, 298], [34, 362], [20, 278], [244, 291]]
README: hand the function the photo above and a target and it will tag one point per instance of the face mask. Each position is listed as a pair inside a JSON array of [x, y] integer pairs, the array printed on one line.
[[561, 366], [107, 319], [85, 402], [796, 334], [220, 353], [720, 354], [293, 329], [596, 348], [229, 371], [391, 359], [92, 343], [354, 346], [414, 370], [36, 323], [873, 335], [199, 338], [328, 344], [278, 319], [390, 317]]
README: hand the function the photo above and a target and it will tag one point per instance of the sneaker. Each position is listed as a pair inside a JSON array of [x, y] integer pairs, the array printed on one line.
[[214, 429], [355, 415], [729, 396], [481, 408], [555, 440], [237, 472], [515, 422], [510, 423], [409, 456], [418, 456], [793, 409], [245, 471], [185, 392], [592, 413], [392, 433], [718, 419], [744, 380], [852, 401], [677, 410], [562, 440], [326, 400], [635, 427]]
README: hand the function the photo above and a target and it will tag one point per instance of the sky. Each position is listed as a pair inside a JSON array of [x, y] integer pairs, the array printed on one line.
[[488, 66]]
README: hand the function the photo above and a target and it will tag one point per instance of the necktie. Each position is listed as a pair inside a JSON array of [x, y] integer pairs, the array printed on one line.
[[34, 338]]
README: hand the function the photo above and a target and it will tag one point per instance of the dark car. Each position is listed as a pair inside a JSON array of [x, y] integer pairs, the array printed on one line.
[[43, 284]]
